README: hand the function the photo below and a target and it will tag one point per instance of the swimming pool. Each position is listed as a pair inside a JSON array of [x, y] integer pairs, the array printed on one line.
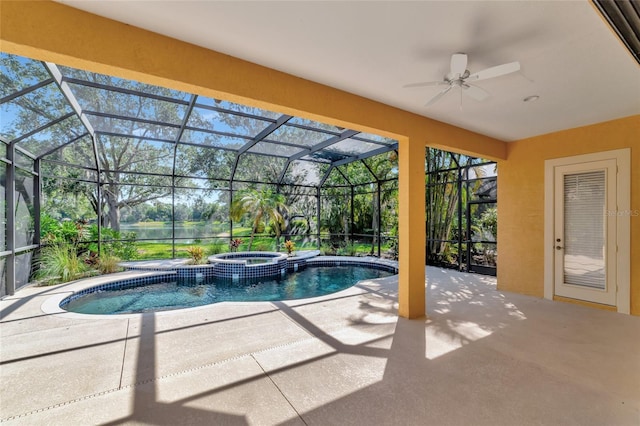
[[168, 292]]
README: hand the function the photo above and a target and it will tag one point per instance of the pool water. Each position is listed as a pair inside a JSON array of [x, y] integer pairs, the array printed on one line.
[[167, 295]]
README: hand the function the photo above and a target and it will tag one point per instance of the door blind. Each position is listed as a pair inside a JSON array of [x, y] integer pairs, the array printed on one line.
[[584, 229]]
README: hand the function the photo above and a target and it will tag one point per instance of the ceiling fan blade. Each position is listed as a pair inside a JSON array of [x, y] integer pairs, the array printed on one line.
[[458, 63], [437, 96], [425, 84], [476, 92], [496, 71]]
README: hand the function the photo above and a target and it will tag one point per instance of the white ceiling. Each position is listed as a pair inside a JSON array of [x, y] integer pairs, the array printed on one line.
[[568, 55]]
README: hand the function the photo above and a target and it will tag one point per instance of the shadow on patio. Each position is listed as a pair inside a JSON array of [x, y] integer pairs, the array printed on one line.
[[482, 357]]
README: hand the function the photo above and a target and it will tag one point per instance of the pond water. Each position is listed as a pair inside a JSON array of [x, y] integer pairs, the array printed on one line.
[[189, 232]]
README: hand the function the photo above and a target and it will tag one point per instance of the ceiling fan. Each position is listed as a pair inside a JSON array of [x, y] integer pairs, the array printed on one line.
[[459, 76]]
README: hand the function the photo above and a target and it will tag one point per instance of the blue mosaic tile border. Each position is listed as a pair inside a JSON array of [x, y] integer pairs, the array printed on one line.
[[120, 285], [236, 265], [248, 254], [373, 264], [296, 264], [234, 270]]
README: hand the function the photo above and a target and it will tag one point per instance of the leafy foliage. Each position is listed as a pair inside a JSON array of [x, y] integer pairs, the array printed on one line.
[[447, 190], [114, 243], [373, 211], [134, 169], [489, 221], [234, 244], [196, 254], [54, 231], [261, 205], [290, 246], [61, 262], [108, 264], [70, 249]]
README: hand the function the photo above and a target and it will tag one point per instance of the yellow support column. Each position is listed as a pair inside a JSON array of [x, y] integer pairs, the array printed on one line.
[[411, 224]]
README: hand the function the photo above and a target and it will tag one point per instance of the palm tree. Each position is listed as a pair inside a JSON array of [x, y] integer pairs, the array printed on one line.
[[261, 204]]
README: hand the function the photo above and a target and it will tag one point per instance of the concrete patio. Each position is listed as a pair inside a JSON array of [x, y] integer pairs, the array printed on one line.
[[483, 357]]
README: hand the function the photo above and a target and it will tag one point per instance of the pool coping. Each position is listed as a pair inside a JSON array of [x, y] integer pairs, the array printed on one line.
[[172, 264], [51, 305], [241, 257]]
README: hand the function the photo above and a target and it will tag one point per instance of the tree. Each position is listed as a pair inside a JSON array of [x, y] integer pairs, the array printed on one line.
[[260, 204], [382, 166], [369, 212], [445, 194], [135, 168]]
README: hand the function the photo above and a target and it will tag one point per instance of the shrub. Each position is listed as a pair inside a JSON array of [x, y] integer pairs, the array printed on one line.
[[60, 262], [393, 248], [234, 244], [126, 249], [66, 231], [114, 243], [489, 221], [72, 232], [108, 264], [290, 246], [49, 228], [197, 255]]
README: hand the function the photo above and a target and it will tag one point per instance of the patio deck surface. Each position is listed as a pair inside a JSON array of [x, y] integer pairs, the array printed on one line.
[[482, 357]]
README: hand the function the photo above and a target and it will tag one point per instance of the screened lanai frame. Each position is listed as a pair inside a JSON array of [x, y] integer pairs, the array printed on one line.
[[463, 235], [68, 109]]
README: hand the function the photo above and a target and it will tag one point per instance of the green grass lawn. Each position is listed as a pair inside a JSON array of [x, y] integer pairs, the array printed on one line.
[[150, 250], [263, 242], [153, 250]]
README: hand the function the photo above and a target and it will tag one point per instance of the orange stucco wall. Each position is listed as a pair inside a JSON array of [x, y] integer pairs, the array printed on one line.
[[521, 195]]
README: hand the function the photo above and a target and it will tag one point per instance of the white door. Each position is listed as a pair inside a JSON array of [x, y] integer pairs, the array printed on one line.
[[585, 231]]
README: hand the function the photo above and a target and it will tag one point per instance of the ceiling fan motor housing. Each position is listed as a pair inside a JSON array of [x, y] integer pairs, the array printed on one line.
[[453, 77]]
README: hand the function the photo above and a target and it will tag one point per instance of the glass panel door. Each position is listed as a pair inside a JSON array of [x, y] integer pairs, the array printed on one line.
[[585, 231]]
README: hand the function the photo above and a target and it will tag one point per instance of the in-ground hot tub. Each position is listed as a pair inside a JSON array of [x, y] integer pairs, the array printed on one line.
[[229, 265], [249, 264]]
